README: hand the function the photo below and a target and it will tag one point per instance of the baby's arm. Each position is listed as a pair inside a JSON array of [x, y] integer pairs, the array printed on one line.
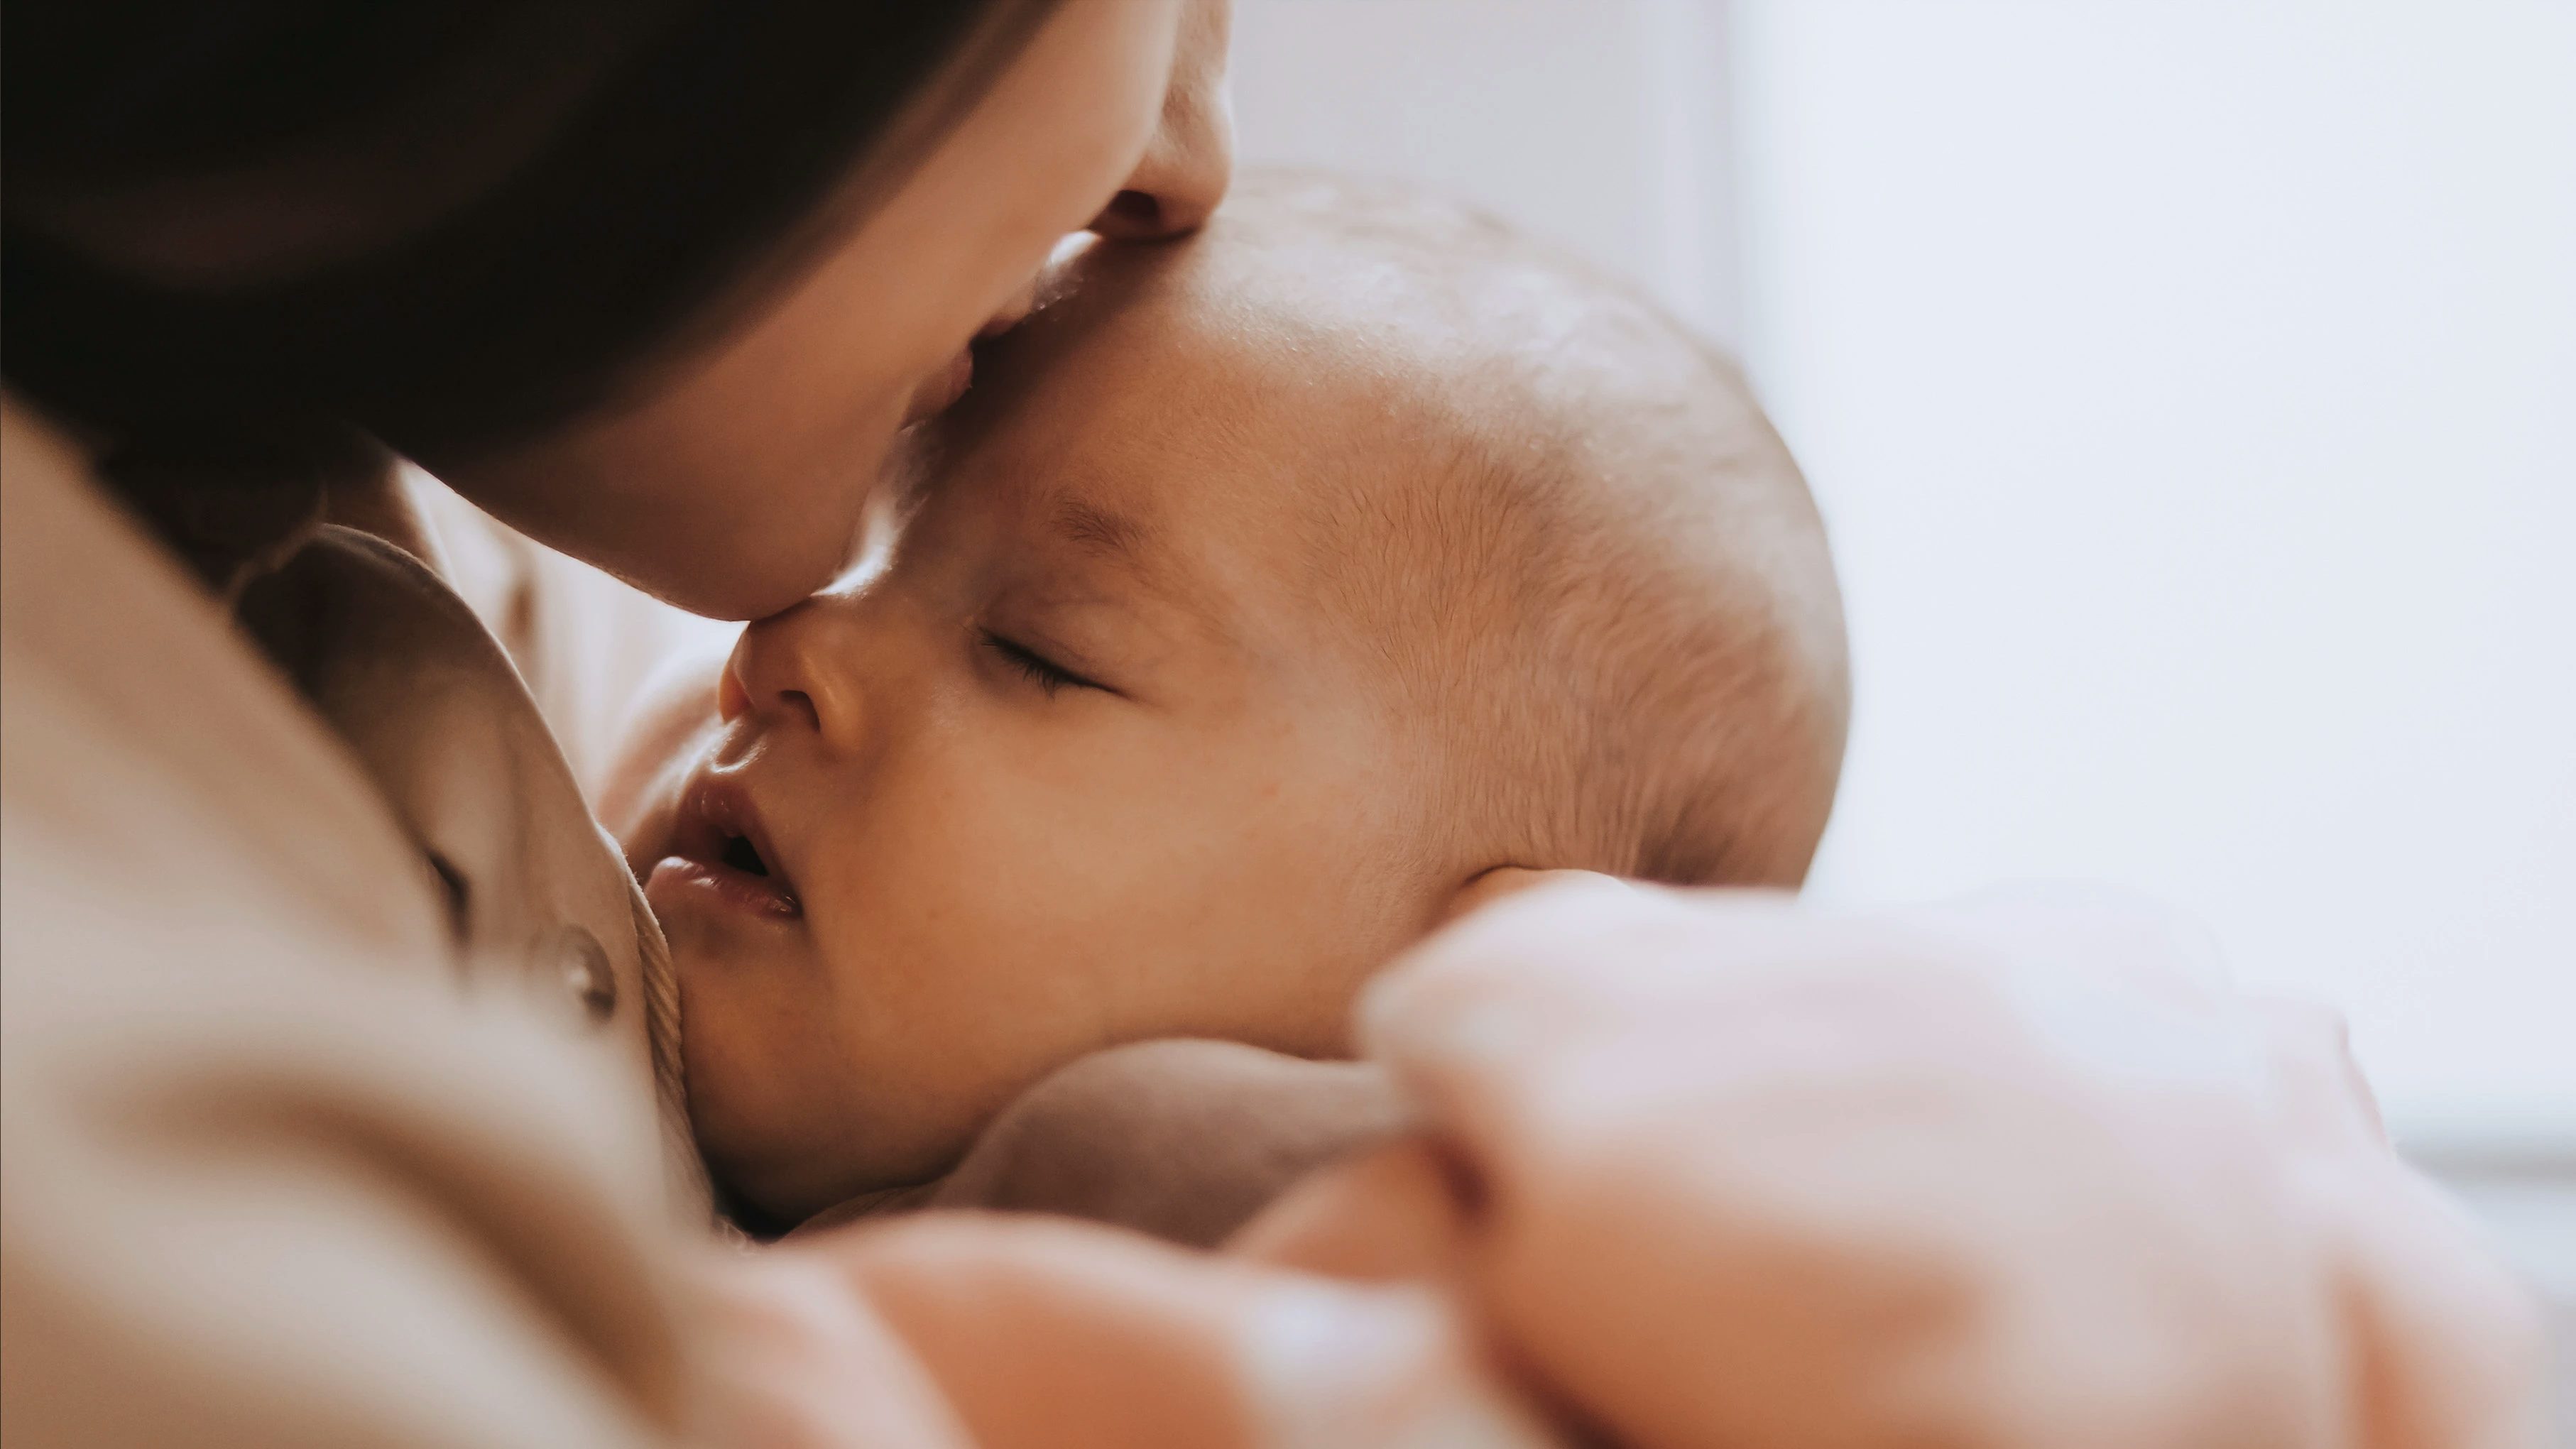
[[1185, 1140]]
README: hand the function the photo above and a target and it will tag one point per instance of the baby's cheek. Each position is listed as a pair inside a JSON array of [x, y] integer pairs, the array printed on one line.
[[725, 1112], [926, 1045], [768, 1084]]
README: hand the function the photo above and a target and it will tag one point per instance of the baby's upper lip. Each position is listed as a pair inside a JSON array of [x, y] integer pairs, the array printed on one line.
[[717, 810]]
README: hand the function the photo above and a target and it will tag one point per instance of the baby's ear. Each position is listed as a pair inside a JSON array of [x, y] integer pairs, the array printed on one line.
[[1487, 887]]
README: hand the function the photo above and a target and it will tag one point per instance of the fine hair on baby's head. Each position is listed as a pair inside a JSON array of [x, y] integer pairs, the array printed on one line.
[[1569, 535], [1268, 589]]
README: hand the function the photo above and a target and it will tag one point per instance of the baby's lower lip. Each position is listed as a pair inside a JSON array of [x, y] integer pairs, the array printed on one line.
[[677, 877]]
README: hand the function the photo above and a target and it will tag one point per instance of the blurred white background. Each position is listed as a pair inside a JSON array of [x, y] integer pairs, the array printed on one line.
[[2191, 388]]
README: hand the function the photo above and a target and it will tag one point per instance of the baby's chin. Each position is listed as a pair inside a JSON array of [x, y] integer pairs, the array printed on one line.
[[784, 1129], [745, 1112], [770, 1178], [768, 1193]]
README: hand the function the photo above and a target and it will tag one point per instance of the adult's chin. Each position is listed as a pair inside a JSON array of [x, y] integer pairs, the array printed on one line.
[[738, 572], [722, 507], [725, 543]]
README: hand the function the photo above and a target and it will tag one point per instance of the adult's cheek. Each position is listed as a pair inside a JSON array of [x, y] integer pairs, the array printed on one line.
[[704, 515]]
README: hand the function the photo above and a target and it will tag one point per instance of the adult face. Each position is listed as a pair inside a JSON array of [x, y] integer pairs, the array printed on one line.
[[735, 483]]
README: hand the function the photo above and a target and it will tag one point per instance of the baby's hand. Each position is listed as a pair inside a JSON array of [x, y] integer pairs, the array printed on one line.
[[1182, 1139]]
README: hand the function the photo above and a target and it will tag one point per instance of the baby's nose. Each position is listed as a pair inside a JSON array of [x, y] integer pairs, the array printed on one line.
[[797, 670]]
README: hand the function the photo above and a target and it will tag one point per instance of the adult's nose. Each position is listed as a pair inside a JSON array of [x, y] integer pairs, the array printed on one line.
[[801, 670], [1186, 168]]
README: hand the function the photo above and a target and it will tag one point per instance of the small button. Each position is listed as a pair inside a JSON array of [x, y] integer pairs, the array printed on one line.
[[581, 963]]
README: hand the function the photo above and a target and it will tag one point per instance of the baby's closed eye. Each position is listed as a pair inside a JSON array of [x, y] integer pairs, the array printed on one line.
[[1038, 668]]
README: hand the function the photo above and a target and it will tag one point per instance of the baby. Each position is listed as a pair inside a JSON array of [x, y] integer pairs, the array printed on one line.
[[1265, 592]]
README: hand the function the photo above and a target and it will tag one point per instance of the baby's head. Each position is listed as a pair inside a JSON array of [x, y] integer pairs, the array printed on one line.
[[1264, 592]]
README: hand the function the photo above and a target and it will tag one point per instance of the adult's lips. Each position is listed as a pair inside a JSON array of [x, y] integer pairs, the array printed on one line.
[[940, 391], [720, 845]]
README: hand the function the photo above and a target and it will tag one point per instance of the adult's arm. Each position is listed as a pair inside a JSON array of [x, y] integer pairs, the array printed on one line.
[[269, 1176]]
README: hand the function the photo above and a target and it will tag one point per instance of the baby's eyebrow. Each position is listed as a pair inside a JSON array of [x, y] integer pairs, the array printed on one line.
[[1101, 531], [1128, 543]]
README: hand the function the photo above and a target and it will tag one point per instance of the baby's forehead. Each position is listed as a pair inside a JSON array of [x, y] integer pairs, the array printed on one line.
[[1349, 429], [1537, 515], [1239, 402]]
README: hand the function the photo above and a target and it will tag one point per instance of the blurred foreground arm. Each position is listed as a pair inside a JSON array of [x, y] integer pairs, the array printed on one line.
[[1721, 1170]]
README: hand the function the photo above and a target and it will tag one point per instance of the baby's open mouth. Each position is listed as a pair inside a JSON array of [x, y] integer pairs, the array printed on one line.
[[744, 856], [720, 848]]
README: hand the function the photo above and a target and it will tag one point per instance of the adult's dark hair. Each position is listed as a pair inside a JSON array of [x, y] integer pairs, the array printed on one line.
[[443, 222]]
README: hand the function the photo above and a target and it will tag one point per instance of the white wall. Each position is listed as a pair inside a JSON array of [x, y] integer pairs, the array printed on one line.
[[2191, 385], [2192, 390], [1596, 123]]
